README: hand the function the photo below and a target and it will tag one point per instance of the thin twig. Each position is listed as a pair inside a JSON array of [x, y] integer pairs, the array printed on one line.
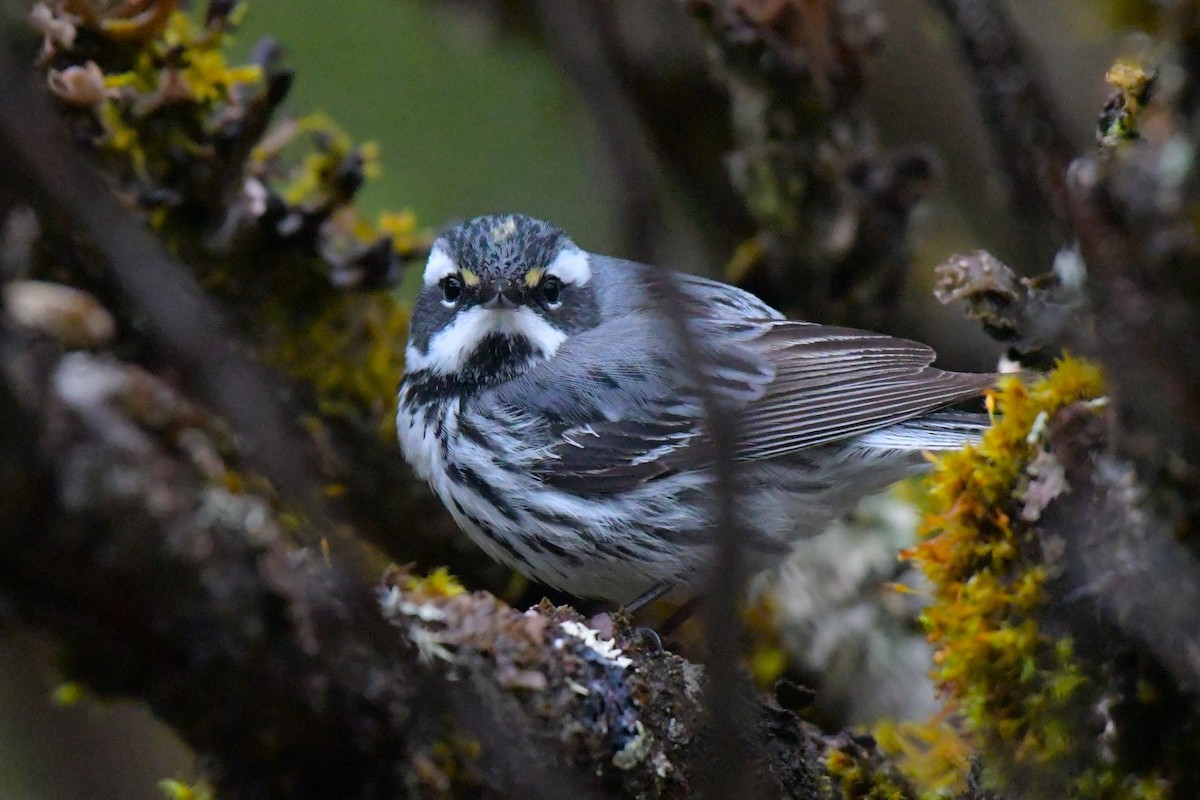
[[725, 690], [1024, 122], [571, 36]]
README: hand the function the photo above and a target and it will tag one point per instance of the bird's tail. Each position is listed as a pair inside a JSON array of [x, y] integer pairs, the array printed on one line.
[[941, 430]]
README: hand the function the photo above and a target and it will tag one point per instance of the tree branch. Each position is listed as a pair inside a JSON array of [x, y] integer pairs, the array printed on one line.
[[1026, 132], [166, 584]]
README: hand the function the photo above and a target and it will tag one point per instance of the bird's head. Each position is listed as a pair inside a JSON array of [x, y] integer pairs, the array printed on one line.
[[501, 292]]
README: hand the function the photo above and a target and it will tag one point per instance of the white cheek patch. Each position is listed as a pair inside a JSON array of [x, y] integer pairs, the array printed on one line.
[[450, 347], [414, 359], [438, 266], [571, 266]]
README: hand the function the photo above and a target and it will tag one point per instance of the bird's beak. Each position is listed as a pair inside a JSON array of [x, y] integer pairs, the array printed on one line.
[[500, 293]]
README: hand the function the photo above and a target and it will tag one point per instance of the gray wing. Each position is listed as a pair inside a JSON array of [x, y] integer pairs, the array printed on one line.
[[618, 406], [831, 384]]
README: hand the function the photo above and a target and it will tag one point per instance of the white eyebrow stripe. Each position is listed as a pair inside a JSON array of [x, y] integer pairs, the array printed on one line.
[[571, 266], [438, 266]]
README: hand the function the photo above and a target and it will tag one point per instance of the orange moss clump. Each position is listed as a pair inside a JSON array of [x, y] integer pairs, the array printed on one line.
[[1012, 684]]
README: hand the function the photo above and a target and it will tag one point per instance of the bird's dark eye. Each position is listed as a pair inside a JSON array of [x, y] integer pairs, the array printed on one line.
[[551, 289], [452, 287]]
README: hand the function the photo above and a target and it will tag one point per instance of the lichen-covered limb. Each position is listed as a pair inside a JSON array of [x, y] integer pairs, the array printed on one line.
[[1119, 533], [1115, 558], [121, 533], [166, 585], [1064, 610], [166, 318], [1121, 600], [832, 218], [169, 580], [1130, 208], [1133, 211]]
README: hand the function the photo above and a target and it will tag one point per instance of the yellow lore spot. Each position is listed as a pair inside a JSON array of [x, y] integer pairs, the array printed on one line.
[[534, 277], [470, 278]]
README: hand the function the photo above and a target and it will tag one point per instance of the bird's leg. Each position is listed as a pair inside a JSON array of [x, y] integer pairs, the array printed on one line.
[[680, 616], [647, 597]]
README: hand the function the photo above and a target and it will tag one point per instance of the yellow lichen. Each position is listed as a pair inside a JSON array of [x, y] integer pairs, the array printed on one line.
[[437, 584], [402, 227], [1122, 117], [181, 64], [158, 86], [310, 184]]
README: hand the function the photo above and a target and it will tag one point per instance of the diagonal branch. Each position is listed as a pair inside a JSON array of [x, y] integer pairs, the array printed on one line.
[[1023, 120]]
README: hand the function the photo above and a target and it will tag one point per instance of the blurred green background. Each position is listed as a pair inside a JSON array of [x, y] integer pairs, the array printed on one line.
[[469, 123]]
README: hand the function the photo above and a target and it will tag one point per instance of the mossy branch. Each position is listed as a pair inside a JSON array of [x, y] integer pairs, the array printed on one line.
[[167, 582]]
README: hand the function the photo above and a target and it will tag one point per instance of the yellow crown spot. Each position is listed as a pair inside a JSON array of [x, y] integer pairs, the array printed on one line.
[[534, 277], [470, 278], [503, 230]]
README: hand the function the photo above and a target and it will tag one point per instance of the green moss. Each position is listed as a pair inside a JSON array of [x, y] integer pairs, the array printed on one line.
[[1109, 784], [178, 790], [1023, 695], [856, 778], [351, 352], [935, 754], [1004, 675]]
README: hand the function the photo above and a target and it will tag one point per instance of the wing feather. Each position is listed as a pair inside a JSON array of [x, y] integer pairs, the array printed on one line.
[[836, 383]]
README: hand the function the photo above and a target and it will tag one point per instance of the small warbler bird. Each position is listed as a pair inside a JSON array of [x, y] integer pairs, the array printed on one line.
[[549, 400]]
